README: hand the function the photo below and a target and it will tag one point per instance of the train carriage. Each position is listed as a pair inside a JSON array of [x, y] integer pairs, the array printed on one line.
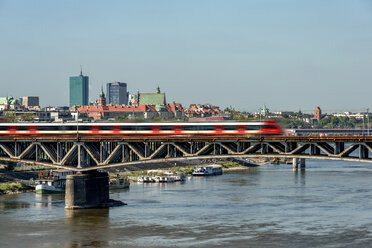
[[168, 129]]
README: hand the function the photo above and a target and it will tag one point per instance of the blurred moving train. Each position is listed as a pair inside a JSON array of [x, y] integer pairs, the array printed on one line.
[[168, 129]]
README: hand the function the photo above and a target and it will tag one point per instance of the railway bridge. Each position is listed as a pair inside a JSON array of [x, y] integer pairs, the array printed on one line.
[[89, 154]]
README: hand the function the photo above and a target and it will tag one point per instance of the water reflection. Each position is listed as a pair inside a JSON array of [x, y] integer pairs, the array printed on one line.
[[87, 227], [49, 200], [12, 202], [300, 177], [13, 205], [250, 171], [250, 178]]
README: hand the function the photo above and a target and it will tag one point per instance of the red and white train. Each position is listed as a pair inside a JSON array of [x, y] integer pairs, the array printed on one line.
[[168, 129]]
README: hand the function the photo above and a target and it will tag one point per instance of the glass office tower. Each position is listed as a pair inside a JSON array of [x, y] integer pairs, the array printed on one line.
[[79, 90], [117, 93]]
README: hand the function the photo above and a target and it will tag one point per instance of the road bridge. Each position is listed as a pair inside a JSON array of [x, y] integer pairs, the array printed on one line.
[[102, 152]]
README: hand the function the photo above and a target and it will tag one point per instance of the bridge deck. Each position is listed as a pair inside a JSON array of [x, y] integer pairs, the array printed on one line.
[[97, 152]]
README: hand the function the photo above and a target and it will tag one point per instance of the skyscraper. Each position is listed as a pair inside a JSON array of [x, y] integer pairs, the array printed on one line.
[[30, 101], [79, 90], [117, 93]]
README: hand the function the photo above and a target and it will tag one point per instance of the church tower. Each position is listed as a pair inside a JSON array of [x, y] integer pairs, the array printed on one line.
[[102, 98]]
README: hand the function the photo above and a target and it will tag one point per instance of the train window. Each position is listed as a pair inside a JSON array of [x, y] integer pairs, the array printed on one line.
[[166, 128], [127, 128], [56, 128], [67, 128], [106, 128], [22, 128], [143, 128], [253, 127], [3, 128], [267, 127], [85, 128], [229, 127], [190, 128], [48, 128], [206, 128]]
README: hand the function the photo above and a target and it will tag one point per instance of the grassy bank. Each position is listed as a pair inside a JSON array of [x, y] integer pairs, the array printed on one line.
[[31, 168], [226, 165], [13, 187]]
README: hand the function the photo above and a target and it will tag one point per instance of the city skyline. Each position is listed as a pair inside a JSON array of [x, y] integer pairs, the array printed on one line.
[[288, 55]]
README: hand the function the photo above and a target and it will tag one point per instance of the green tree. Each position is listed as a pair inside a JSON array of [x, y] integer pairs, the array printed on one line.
[[323, 122], [27, 117], [9, 166], [157, 119], [10, 116], [122, 117]]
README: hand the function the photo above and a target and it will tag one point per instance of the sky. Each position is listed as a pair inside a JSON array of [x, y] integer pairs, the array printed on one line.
[[286, 54]]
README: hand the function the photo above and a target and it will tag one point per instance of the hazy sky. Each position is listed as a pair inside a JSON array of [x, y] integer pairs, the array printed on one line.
[[286, 54]]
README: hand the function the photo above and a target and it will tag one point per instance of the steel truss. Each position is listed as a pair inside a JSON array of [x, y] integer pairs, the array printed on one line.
[[104, 152]]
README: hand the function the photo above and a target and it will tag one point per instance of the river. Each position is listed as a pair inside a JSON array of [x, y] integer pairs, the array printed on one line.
[[327, 205]]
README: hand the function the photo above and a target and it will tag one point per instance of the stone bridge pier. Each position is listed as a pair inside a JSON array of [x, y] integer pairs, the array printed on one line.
[[88, 190]]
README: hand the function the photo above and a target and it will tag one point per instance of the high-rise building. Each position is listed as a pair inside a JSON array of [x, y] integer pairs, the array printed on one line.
[[30, 101], [79, 90], [117, 93]]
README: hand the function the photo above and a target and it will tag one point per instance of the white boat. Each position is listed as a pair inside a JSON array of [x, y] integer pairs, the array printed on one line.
[[119, 183], [156, 179], [179, 177], [145, 179], [49, 186], [166, 180], [54, 182], [162, 177], [209, 170]]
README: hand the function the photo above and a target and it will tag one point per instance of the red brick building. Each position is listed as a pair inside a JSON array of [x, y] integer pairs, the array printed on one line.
[[318, 113], [102, 112]]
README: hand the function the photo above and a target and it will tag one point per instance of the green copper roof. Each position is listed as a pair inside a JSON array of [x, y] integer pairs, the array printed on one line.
[[7, 100], [151, 98]]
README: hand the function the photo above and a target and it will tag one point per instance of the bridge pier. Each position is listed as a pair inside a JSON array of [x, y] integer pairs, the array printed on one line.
[[88, 190], [298, 162]]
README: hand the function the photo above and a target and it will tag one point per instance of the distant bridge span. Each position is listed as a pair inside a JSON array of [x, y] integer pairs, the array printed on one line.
[[101, 152]]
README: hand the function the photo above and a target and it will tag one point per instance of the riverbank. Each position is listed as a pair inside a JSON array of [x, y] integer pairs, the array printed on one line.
[[187, 169], [14, 188], [187, 165], [10, 181], [14, 176]]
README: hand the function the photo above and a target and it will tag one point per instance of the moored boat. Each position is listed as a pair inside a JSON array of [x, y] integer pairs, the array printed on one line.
[[46, 186], [54, 182], [119, 183], [209, 170]]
